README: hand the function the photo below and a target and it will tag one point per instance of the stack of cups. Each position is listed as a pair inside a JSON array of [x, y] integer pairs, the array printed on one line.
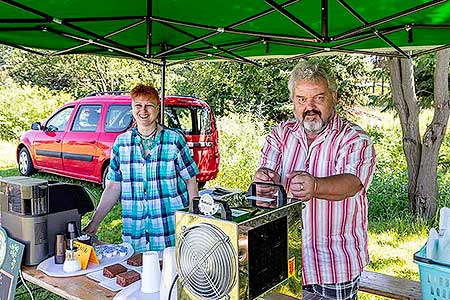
[[169, 272], [151, 273]]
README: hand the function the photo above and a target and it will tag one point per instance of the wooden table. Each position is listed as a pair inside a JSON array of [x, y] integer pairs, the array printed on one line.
[[72, 288], [83, 288]]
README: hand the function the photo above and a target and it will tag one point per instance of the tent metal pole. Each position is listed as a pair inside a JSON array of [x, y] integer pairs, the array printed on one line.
[[375, 31], [430, 50], [108, 47], [148, 48], [69, 25], [195, 40], [369, 37], [239, 58], [99, 19], [294, 19], [68, 50], [233, 31], [209, 47], [325, 19], [241, 22], [232, 49], [163, 89], [388, 19]]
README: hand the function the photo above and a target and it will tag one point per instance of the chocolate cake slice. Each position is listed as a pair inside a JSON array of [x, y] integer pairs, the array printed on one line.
[[113, 270], [127, 278], [135, 260]]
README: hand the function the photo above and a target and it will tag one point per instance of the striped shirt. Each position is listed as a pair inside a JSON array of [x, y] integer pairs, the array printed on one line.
[[334, 237], [153, 187]]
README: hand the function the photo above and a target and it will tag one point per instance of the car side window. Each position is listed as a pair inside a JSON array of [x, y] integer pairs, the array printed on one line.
[[204, 120], [87, 118], [118, 118], [60, 120], [179, 118]]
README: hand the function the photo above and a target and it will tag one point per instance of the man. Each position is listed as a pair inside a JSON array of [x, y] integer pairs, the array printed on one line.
[[328, 163], [152, 173]]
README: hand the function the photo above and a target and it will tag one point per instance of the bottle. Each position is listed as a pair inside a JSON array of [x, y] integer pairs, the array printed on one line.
[[72, 234], [60, 249]]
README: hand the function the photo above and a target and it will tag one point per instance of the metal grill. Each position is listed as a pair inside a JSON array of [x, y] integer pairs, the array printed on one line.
[[206, 261]]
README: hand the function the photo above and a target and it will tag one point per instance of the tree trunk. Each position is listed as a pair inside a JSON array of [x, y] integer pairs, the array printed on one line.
[[406, 104], [421, 157]]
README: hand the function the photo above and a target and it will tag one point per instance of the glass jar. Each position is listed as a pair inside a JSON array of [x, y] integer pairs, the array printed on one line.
[[72, 262]]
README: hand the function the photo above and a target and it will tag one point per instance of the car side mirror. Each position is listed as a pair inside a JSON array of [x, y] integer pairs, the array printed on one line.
[[36, 126]]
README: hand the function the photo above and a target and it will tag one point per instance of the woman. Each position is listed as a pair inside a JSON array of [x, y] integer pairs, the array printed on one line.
[[152, 173]]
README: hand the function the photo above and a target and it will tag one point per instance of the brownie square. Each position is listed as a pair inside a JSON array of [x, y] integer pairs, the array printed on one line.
[[127, 278], [113, 270], [135, 260]]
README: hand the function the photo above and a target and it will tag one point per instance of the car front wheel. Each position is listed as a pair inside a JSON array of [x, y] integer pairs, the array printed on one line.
[[26, 167], [105, 177]]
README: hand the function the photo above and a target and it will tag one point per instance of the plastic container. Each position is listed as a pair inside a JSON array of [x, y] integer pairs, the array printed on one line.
[[434, 276]]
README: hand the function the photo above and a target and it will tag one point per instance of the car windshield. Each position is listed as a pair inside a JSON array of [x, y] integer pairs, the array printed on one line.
[[189, 119]]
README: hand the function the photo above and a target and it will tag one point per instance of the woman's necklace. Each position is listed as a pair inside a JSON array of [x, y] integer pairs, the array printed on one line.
[[147, 140]]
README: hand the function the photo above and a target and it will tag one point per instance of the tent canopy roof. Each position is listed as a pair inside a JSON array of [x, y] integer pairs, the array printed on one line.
[[187, 30]]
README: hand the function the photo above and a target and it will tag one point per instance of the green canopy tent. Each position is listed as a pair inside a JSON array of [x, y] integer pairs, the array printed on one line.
[[167, 32]]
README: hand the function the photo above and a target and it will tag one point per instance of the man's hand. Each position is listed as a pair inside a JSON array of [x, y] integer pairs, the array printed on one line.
[[269, 176], [303, 185]]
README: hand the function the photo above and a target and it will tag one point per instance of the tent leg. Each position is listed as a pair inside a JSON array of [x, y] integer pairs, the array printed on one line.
[[163, 89]]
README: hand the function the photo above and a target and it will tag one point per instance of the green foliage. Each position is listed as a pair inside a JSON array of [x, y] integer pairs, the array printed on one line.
[[233, 87], [424, 79], [240, 141], [79, 74], [22, 105]]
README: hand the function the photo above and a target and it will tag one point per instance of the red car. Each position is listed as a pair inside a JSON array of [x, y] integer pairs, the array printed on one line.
[[76, 140]]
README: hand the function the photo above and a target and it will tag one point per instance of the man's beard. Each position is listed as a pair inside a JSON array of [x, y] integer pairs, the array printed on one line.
[[313, 126]]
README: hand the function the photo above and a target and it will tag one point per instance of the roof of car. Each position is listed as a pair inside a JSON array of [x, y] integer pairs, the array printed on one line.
[[125, 99]]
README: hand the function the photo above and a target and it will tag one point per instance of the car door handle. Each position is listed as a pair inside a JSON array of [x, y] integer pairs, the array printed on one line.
[[91, 141]]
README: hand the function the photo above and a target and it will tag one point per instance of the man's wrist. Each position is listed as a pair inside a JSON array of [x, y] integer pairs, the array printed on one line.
[[315, 186]]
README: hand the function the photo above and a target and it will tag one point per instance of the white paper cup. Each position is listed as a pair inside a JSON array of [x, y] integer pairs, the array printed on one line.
[[169, 272], [151, 274]]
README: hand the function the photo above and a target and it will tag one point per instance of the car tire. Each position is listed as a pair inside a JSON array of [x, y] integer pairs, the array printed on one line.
[[25, 163], [105, 177]]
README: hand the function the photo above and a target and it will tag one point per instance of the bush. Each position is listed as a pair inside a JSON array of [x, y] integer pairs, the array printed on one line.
[[240, 141], [22, 105]]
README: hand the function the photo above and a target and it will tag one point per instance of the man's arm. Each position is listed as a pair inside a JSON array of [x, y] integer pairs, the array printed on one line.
[[192, 188], [337, 187], [110, 196]]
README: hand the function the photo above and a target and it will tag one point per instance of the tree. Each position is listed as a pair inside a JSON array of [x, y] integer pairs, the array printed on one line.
[[421, 154], [262, 91], [78, 74]]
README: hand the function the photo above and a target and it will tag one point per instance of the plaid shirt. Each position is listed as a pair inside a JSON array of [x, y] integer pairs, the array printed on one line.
[[153, 187], [334, 237]]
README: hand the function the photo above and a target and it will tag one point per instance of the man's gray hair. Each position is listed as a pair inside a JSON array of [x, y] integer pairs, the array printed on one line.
[[311, 70]]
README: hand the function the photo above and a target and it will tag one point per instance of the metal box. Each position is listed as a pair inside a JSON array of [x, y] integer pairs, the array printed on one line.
[[33, 211], [241, 254]]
